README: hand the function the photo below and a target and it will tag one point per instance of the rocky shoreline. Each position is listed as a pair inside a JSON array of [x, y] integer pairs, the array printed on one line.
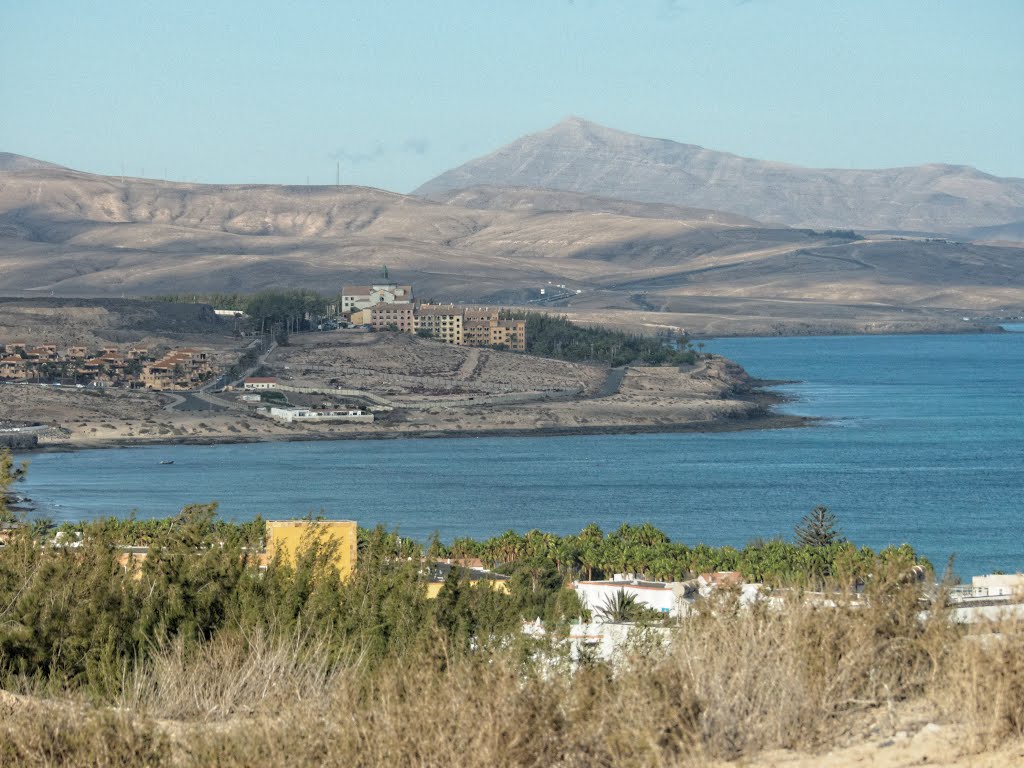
[[761, 416]]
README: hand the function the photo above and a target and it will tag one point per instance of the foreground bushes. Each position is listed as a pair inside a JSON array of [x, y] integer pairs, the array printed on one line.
[[729, 685], [199, 658]]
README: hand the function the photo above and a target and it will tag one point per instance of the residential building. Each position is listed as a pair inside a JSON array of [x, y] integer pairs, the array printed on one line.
[[485, 328], [259, 382], [472, 574], [177, 370], [293, 414], [998, 585], [287, 539], [13, 368], [443, 322], [356, 297], [392, 316], [361, 317], [670, 598], [43, 352]]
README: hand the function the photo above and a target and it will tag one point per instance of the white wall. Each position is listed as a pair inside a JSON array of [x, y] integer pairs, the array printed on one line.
[[593, 595]]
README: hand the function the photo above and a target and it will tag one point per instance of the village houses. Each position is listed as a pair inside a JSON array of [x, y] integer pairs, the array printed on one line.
[[134, 368]]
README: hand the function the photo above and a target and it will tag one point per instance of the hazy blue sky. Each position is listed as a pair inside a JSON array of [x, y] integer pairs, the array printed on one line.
[[400, 91]]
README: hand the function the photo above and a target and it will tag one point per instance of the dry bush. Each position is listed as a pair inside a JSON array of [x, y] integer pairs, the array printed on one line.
[[233, 674], [729, 685], [983, 683], [68, 737]]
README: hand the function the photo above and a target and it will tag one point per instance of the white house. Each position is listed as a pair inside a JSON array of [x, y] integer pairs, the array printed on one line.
[[290, 415], [1002, 585], [259, 382], [356, 297], [670, 598]]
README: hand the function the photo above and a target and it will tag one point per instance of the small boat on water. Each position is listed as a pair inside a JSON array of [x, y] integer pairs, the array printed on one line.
[[167, 461]]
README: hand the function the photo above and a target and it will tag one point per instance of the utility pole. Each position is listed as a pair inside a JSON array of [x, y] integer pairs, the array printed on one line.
[[337, 174]]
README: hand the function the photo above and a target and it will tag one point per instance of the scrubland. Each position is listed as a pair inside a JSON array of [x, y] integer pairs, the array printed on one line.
[[196, 657]]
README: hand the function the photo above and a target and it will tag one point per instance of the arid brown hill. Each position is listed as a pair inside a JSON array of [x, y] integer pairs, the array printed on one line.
[[590, 159], [68, 233]]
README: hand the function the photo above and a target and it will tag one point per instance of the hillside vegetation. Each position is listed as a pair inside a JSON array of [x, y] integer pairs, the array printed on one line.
[[556, 336]]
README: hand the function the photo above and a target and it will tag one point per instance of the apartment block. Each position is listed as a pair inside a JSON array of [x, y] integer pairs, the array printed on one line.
[[393, 316], [443, 322]]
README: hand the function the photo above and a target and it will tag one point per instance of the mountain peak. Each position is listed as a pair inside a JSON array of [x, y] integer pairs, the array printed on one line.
[[579, 126], [11, 163], [580, 156]]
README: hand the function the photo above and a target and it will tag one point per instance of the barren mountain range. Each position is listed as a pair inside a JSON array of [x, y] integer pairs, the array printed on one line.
[[587, 158], [650, 264]]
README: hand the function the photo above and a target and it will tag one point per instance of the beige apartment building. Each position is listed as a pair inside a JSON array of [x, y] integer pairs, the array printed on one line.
[[177, 370], [13, 368], [485, 328], [384, 317], [444, 322]]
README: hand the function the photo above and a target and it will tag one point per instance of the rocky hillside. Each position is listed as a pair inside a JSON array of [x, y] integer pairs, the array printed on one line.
[[583, 157], [66, 233]]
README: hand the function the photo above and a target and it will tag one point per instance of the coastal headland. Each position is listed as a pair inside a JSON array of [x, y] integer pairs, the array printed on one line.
[[413, 387], [496, 394]]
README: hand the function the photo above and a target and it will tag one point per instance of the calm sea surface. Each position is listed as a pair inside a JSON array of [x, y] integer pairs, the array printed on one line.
[[924, 444]]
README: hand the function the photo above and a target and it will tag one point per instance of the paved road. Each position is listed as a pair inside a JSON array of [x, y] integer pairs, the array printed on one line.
[[260, 361], [195, 402], [176, 400], [203, 399]]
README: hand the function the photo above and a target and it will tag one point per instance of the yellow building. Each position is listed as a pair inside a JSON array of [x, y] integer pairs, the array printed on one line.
[[444, 322], [493, 332], [289, 537], [361, 317], [498, 585]]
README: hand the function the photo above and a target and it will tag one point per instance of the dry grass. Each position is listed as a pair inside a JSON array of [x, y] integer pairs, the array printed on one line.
[[728, 687]]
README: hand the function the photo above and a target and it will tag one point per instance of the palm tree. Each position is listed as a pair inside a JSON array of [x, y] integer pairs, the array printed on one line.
[[592, 534], [590, 558], [620, 606]]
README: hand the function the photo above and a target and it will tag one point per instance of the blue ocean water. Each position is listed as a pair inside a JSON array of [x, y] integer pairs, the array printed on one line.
[[923, 443]]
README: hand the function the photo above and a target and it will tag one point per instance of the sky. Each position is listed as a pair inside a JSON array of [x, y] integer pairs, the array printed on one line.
[[397, 92]]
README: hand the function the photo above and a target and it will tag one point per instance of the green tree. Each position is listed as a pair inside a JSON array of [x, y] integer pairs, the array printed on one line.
[[818, 529], [9, 474]]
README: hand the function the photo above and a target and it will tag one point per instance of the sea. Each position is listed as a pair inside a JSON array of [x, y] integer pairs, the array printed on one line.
[[920, 440]]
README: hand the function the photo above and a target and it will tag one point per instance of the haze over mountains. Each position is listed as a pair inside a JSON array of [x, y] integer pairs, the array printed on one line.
[[583, 157], [668, 262]]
